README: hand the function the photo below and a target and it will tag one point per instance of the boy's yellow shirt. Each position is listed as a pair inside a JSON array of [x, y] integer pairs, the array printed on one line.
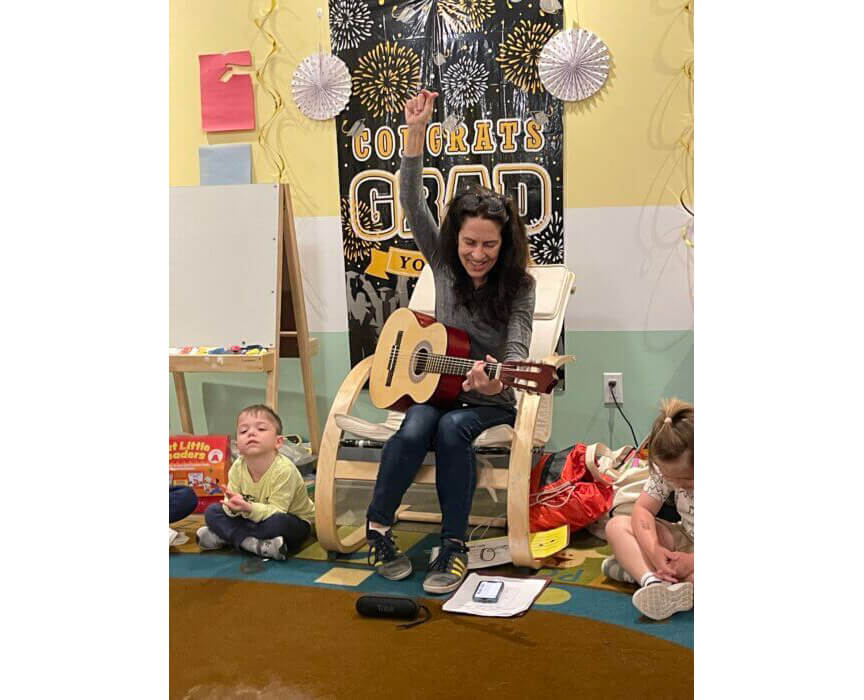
[[280, 490]]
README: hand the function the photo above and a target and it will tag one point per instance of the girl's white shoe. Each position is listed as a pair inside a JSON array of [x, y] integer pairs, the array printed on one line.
[[661, 600]]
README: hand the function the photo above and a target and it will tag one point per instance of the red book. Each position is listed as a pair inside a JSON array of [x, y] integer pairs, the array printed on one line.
[[202, 462]]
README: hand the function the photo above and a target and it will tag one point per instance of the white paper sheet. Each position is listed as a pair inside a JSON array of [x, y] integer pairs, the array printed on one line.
[[517, 596]]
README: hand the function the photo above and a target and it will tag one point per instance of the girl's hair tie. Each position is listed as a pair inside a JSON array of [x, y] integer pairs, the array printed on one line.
[[668, 419]]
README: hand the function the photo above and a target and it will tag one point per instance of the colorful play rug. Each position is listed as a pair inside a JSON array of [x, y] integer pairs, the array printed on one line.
[[244, 638], [578, 565]]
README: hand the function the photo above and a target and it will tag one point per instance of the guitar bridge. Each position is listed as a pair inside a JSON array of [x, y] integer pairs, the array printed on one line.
[[394, 355]]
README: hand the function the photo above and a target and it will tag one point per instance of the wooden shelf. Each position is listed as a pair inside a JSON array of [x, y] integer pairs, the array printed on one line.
[[221, 363]]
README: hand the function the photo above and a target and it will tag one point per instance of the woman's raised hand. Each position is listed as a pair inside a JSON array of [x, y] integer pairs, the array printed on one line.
[[418, 109]]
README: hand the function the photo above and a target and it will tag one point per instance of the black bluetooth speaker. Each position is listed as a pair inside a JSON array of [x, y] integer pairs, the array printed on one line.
[[386, 606]]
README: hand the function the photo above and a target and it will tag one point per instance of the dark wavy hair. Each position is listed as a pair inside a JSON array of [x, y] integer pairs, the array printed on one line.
[[494, 300]]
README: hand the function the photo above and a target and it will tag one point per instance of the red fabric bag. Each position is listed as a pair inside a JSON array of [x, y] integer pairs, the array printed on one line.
[[564, 490]]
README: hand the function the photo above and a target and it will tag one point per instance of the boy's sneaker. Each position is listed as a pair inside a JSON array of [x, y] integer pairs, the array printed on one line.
[[661, 600], [175, 539], [386, 557], [207, 539], [612, 568], [274, 548], [449, 568]]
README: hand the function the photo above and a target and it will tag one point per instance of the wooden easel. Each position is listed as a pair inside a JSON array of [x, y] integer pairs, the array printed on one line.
[[291, 336]]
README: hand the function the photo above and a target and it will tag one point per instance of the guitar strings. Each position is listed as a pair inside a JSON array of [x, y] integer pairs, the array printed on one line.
[[439, 364]]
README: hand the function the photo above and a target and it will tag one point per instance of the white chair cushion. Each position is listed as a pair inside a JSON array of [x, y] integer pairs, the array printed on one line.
[[550, 294]]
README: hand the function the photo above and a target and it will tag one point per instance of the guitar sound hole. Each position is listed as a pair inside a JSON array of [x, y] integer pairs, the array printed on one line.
[[420, 361]]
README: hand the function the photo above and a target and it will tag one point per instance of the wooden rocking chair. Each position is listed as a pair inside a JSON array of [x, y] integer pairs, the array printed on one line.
[[531, 430]]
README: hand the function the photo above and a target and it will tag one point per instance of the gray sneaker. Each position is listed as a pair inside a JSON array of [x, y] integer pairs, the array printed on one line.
[[274, 548], [661, 600], [207, 539], [449, 568], [612, 568], [386, 557]]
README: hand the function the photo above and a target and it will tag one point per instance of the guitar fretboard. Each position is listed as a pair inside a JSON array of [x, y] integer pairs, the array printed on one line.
[[444, 364]]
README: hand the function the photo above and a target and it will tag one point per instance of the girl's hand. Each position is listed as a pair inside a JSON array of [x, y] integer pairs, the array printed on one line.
[[418, 110], [478, 380], [664, 562], [236, 502], [683, 565]]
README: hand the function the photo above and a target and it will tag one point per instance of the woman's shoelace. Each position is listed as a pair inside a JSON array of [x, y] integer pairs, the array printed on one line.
[[445, 555], [385, 543]]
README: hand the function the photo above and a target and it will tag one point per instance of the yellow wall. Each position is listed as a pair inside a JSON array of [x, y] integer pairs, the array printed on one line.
[[620, 146]]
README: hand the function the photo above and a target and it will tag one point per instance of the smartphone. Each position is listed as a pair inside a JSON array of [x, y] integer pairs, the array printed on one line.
[[488, 591]]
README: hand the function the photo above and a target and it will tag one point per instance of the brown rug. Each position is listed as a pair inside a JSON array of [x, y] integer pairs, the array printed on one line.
[[245, 639]]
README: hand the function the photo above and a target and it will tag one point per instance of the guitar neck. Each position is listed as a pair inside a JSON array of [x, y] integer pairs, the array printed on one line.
[[458, 366]]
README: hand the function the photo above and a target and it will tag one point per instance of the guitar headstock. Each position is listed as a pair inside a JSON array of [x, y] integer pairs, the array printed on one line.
[[533, 377]]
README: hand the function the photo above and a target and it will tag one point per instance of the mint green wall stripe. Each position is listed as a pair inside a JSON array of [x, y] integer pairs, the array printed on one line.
[[655, 364]]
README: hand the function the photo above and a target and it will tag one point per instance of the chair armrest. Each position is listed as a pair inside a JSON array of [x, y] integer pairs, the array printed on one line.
[[519, 474], [557, 360], [518, 480], [325, 472], [351, 386]]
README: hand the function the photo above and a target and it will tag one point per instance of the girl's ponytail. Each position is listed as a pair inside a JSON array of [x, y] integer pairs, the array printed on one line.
[[672, 432]]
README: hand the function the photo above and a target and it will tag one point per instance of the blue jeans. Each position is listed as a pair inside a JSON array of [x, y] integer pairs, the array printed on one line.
[[234, 530], [451, 433], [182, 501]]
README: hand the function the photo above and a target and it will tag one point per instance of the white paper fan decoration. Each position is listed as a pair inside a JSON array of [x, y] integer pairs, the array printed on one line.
[[573, 64], [322, 86]]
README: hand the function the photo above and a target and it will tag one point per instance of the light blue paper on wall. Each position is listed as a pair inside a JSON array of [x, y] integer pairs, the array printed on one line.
[[230, 164]]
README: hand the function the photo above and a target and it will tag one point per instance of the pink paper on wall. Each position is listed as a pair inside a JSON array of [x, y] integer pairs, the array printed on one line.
[[229, 105]]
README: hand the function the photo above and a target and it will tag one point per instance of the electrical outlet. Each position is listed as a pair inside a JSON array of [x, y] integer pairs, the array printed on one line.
[[618, 378]]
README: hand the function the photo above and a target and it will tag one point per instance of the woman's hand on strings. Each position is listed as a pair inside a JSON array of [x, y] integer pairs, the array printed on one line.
[[418, 110], [477, 380]]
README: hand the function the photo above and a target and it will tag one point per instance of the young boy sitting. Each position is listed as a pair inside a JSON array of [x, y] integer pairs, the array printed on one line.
[[266, 510]]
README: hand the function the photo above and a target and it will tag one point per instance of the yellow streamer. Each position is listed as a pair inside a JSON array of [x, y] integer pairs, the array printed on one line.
[[687, 69], [687, 241], [272, 154]]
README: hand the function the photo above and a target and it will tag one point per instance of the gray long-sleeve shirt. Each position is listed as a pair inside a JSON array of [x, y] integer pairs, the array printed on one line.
[[503, 342]]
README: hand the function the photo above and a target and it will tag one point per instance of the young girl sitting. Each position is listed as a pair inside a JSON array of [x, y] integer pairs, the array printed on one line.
[[656, 554]]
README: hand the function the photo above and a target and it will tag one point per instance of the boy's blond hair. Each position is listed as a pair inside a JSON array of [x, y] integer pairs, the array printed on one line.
[[259, 409], [672, 432]]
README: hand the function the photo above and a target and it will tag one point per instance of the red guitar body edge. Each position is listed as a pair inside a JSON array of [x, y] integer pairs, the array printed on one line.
[[449, 385]]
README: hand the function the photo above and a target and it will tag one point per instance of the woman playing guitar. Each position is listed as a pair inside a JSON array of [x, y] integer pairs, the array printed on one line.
[[481, 286]]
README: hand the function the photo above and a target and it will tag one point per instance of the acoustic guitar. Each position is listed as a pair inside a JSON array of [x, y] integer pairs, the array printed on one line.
[[419, 360]]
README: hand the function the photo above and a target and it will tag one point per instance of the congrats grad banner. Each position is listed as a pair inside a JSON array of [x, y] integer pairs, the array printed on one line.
[[494, 125]]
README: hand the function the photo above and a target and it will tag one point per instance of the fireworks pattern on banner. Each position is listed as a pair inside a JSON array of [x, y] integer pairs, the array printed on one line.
[[465, 82], [354, 247], [350, 23], [547, 247], [386, 77], [520, 52], [466, 15]]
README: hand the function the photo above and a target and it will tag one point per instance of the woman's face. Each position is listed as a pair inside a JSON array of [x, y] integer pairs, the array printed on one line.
[[479, 246]]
